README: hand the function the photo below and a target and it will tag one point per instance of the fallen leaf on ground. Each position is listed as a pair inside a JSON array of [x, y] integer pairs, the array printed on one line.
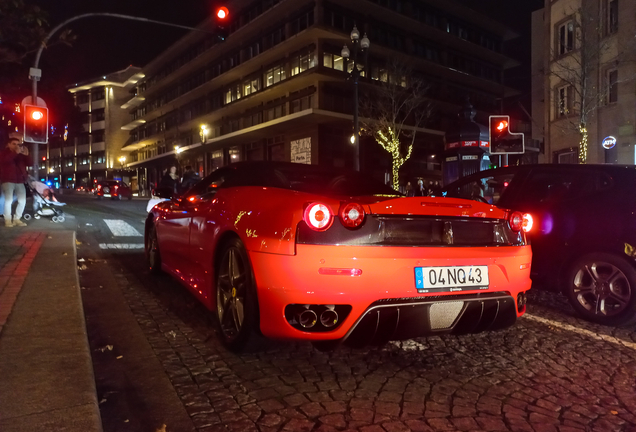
[[106, 348]]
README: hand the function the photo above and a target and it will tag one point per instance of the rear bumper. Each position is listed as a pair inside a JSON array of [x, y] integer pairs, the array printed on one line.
[[401, 319], [384, 300]]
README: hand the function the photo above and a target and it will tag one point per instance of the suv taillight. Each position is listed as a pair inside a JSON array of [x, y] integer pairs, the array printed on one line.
[[520, 221]]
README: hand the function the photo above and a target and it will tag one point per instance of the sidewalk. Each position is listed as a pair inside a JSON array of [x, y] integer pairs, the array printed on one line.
[[46, 373]]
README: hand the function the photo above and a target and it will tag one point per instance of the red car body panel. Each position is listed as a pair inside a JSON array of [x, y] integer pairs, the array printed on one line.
[[383, 277]]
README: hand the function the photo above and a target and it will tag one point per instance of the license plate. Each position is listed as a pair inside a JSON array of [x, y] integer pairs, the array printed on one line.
[[457, 278], [106, 195]]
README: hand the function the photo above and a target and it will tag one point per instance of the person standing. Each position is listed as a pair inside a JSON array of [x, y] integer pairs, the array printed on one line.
[[421, 190], [14, 159], [189, 179], [170, 180]]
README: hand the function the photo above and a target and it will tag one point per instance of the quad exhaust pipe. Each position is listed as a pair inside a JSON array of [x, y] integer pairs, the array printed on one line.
[[329, 317], [307, 317]]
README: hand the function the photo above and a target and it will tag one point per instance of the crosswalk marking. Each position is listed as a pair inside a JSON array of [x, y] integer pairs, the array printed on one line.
[[121, 245], [119, 228]]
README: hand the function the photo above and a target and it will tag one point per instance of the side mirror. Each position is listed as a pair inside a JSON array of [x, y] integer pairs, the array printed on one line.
[[164, 192]]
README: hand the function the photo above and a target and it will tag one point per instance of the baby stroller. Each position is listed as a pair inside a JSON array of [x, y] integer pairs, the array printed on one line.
[[44, 203]]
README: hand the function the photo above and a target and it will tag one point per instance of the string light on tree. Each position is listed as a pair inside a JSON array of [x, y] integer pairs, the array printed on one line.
[[583, 144], [392, 145]]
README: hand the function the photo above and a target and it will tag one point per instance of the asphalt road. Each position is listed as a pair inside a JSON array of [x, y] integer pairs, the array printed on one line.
[[159, 365]]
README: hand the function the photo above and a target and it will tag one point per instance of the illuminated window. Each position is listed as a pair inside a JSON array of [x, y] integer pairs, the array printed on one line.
[[232, 94], [302, 62], [274, 75], [564, 99], [333, 61], [251, 86]]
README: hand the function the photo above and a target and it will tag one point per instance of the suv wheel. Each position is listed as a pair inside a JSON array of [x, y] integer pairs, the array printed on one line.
[[602, 288]]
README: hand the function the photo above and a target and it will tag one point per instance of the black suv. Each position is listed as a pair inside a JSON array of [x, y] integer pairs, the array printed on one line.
[[584, 234], [114, 189]]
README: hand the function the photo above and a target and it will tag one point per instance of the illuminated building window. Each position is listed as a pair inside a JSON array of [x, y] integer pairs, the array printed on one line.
[[302, 62], [333, 61], [274, 75], [232, 94], [564, 99], [251, 86]]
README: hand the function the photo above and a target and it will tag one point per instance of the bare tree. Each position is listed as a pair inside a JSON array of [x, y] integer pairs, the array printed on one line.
[[582, 54], [394, 110]]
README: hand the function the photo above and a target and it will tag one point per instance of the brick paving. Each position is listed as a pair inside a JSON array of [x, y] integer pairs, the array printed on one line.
[[16, 257], [532, 377]]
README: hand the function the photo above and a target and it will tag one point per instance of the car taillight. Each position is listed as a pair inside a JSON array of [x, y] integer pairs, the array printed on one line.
[[99, 186], [116, 187], [318, 216], [351, 215], [527, 222], [520, 221]]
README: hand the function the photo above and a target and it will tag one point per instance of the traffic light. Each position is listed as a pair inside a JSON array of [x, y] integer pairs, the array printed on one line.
[[221, 19], [36, 124], [502, 141]]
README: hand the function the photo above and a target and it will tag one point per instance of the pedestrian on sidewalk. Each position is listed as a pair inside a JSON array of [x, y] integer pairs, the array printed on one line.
[[14, 159]]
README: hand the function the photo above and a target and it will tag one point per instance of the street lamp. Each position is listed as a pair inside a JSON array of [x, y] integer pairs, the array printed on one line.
[[357, 46], [203, 133], [122, 160]]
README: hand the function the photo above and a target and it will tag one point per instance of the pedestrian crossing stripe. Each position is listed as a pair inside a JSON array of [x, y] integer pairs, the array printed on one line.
[[119, 228], [121, 246]]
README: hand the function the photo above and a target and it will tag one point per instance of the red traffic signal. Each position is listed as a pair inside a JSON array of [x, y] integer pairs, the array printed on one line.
[[36, 124], [222, 13], [221, 21], [502, 141]]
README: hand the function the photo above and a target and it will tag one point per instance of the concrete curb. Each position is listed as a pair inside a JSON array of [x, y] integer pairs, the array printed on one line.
[[45, 362]]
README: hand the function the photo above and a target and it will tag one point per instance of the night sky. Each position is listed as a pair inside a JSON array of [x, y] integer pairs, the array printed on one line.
[[106, 45]]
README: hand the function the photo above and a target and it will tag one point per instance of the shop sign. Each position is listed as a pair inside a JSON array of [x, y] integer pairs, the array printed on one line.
[[301, 151], [609, 142]]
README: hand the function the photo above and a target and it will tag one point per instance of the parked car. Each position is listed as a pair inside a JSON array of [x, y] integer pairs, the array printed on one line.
[[584, 240], [114, 189], [301, 252]]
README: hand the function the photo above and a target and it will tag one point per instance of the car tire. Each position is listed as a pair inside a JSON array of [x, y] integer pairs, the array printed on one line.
[[153, 256], [236, 299], [99, 197], [601, 287], [129, 197]]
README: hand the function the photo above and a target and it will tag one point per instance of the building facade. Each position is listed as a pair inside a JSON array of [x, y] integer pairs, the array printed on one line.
[[94, 153], [584, 70], [278, 87]]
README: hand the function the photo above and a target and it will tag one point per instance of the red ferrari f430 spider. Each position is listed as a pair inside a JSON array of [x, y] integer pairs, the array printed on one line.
[[301, 252]]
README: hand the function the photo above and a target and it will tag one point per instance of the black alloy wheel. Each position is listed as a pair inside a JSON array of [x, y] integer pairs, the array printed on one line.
[[602, 288], [153, 256], [236, 300]]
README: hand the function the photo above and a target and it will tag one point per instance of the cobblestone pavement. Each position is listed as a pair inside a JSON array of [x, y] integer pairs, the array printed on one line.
[[550, 372]]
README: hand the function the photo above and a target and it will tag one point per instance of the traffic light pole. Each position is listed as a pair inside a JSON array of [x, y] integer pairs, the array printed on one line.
[[35, 73]]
